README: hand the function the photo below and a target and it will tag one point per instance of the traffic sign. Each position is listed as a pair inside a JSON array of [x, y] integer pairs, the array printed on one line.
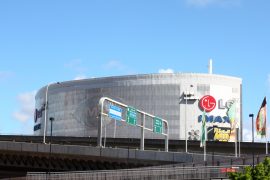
[[157, 125], [131, 115], [115, 112]]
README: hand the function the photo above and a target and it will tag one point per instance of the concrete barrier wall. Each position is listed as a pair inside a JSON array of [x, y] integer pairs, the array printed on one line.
[[113, 153], [132, 155]]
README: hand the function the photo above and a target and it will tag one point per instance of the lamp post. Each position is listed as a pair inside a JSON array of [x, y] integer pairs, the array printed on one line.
[[51, 119], [186, 121], [187, 95], [252, 115], [45, 111]]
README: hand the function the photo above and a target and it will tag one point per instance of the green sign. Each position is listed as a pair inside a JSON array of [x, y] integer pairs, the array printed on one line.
[[131, 115], [157, 126]]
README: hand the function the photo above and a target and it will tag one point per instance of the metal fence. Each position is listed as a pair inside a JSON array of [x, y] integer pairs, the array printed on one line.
[[171, 171], [157, 173]]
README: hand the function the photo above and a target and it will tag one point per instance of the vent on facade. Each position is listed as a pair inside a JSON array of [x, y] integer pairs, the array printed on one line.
[[203, 88]]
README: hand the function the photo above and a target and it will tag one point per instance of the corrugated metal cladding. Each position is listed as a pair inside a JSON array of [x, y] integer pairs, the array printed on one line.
[[74, 104]]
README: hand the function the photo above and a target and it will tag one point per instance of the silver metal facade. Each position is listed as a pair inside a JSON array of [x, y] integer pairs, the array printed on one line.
[[74, 104]]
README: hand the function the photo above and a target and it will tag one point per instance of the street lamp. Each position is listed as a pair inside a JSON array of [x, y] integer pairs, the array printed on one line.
[[187, 95], [186, 122], [45, 111], [51, 119], [252, 115]]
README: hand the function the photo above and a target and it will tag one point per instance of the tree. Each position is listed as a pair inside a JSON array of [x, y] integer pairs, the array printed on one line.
[[260, 172]]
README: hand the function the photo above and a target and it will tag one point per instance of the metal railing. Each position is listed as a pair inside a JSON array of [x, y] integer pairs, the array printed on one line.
[[152, 173], [164, 126]]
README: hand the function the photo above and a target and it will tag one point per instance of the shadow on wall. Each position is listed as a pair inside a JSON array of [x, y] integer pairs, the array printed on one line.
[[87, 112]]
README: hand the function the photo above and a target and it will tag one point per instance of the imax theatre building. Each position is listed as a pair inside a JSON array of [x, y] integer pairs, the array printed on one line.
[[183, 99]]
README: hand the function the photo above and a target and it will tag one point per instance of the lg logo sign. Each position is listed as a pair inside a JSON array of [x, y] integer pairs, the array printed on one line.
[[207, 103]]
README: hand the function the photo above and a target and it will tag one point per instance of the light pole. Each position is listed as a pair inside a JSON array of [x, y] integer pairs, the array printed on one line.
[[186, 121], [45, 111], [51, 119], [252, 115], [186, 95]]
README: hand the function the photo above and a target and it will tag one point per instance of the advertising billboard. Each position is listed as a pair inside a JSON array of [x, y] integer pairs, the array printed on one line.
[[222, 114]]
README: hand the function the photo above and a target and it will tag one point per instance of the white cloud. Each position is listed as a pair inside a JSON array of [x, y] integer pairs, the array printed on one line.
[[166, 70], [268, 82], [247, 135], [200, 2], [76, 65], [5, 75], [204, 3], [79, 77], [26, 103], [21, 116], [115, 65]]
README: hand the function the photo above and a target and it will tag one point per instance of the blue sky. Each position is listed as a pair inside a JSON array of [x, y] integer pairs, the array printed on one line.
[[50, 41]]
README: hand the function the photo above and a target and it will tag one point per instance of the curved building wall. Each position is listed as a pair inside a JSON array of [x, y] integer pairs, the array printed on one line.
[[74, 104]]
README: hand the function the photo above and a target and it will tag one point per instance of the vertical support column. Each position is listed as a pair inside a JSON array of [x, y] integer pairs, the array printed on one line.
[[239, 141], [166, 143], [99, 139], [167, 136], [45, 114], [266, 139], [266, 147], [142, 132], [114, 131], [105, 134], [204, 151], [235, 143], [186, 125], [252, 172]]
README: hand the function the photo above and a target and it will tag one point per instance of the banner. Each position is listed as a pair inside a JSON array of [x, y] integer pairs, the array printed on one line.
[[261, 119], [203, 132]]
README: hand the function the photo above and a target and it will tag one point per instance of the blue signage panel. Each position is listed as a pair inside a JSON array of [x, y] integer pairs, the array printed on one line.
[[115, 112]]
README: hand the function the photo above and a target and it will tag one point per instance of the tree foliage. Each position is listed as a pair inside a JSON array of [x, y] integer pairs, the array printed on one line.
[[260, 172]]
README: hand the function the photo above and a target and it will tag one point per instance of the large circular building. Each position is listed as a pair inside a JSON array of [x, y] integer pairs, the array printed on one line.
[[183, 99]]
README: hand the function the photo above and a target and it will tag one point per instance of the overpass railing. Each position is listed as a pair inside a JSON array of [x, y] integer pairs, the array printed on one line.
[[121, 112], [144, 173]]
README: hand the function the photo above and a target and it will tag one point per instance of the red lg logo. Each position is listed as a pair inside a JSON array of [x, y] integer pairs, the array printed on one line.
[[208, 103]]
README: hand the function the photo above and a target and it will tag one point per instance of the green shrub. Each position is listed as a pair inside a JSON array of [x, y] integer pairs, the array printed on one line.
[[260, 172]]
